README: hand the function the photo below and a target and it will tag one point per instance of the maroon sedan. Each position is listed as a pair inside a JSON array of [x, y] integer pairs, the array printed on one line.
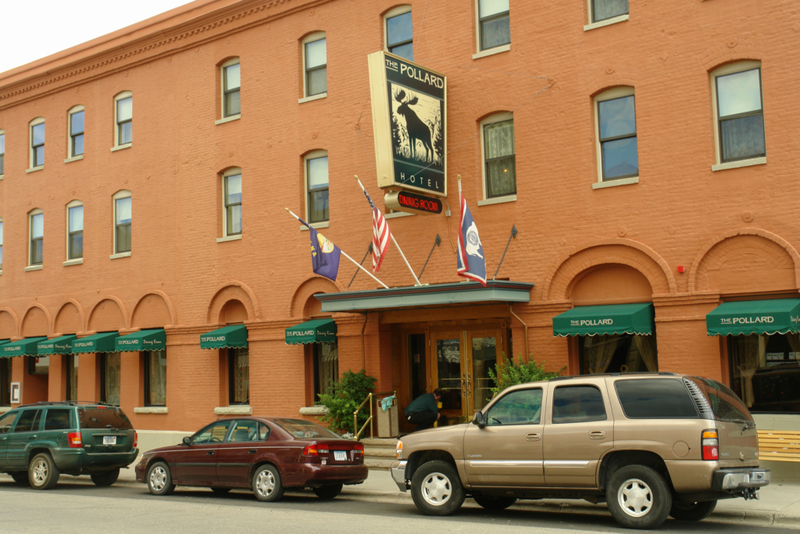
[[266, 454]]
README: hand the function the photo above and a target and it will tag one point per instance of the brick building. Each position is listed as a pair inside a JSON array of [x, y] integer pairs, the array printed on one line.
[[613, 154]]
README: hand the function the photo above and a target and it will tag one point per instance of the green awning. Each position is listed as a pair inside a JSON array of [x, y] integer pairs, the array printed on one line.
[[23, 347], [154, 339], [228, 337], [103, 342], [744, 317], [314, 331], [57, 345], [605, 320]]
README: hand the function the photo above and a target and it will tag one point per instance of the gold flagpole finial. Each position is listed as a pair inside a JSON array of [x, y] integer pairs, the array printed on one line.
[[459, 177]]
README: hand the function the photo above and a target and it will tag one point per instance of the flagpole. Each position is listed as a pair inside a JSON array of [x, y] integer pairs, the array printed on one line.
[[396, 245], [346, 256]]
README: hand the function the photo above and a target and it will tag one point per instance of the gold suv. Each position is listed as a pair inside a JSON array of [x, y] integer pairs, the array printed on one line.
[[650, 445]]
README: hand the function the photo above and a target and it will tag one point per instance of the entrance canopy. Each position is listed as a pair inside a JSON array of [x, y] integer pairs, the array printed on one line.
[[745, 317], [23, 347], [102, 342], [314, 331], [154, 339], [57, 345], [605, 320], [227, 337]]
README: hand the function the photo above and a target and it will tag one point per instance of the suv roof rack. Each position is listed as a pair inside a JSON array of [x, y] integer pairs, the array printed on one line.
[[68, 403], [644, 373]]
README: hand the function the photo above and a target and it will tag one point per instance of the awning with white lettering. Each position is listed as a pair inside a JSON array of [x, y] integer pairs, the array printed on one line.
[[102, 342], [745, 317], [23, 347], [227, 337], [314, 331], [154, 339], [605, 320], [57, 345]]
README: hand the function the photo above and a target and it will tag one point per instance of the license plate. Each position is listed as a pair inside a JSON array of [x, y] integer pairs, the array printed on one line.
[[340, 456], [109, 440]]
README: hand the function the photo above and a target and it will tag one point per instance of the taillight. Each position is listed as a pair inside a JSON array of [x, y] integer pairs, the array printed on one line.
[[317, 449], [710, 445], [399, 451], [135, 439], [358, 448], [74, 439]]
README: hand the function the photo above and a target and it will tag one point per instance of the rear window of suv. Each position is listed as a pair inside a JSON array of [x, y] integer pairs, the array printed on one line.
[[725, 404], [102, 417], [659, 398]]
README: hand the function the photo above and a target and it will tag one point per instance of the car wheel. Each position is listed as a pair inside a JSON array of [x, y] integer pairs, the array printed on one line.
[[638, 497], [42, 472], [107, 478], [159, 479], [20, 477], [220, 491], [692, 511], [328, 492], [267, 483], [494, 503], [436, 488]]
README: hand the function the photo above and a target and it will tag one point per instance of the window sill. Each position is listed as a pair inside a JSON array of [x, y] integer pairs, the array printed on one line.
[[315, 97], [2, 176], [397, 215], [229, 238], [492, 51], [78, 261], [316, 226], [228, 119], [739, 163], [121, 147], [34, 169], [73, 158], [497, 200], [615, 183], [233, 410], [313, 410], [607, 22], [30, 268], [150, 409], [120, 255]]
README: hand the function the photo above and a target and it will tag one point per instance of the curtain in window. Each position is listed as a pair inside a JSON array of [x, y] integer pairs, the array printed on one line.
[[241, 376], [743, 138], [111, 372], [606, 9], [500, 164], [328, 365], [598, 352], [647, 350], [157, 378]]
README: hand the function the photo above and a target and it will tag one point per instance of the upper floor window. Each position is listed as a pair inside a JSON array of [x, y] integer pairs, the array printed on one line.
[[399, 32], [500, 170], [315, 64], [122, 222], [739, 112], [617, 150], [74, 230], [316, 164], [231, 85], [75, 147], [123, 118], [494, 24], [2, 151], [37, 143], [600, 10], [232, 202], [36, 248]]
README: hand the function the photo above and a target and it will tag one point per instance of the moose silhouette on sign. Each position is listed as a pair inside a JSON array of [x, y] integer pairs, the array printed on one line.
[[416, 129]]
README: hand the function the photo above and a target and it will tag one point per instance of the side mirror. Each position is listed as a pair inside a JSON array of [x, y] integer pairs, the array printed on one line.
[[479, 420], [187, 440]]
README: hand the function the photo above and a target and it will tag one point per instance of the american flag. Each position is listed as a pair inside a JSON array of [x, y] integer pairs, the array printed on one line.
[[380, 235]]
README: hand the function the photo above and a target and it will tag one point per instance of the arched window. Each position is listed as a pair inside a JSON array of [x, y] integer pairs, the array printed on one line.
[[122, 224]]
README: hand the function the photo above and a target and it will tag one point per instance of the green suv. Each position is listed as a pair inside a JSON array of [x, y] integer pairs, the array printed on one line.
[[39, 442]]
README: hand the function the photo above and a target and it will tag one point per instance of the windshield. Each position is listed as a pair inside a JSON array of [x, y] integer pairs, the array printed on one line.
[[102, 417], [725, 404], [305, 429]]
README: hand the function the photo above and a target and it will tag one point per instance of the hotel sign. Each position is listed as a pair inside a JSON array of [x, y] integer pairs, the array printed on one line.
[[408, 118]]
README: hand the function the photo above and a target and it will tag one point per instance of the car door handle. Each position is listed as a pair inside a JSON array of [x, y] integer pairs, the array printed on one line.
[[210, 453], [533, 436], [597, 434], [252, 451]]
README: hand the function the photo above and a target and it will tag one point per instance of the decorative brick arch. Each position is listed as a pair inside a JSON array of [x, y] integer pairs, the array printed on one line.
[[9, 323], [763, 247], [612, 251], [305, 291], [107, 315], [153, 310], [233, 290], [70, 318], [36, 322]]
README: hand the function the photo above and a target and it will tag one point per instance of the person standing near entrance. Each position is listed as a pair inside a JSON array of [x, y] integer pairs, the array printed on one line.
[[424, 410]]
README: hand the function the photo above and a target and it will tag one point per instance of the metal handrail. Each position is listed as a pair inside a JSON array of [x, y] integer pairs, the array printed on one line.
[[369, 420]]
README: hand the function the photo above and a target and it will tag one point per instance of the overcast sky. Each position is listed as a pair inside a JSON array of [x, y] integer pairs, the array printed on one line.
[[39, 28]]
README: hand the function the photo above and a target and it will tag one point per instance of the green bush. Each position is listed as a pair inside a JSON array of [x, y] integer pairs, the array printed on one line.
[[511, 373], [343, 398]]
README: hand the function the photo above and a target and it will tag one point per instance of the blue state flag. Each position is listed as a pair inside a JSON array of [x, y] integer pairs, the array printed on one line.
[[471, 262], [324, 255]]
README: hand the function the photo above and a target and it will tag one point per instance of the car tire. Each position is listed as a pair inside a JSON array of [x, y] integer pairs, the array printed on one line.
[[694, 511], [436, 488], [221, 491], [42, 472], [21, 477], [328, 492], [267, 485], [159, 479], [493, 503], [107, 478], [638, 497]]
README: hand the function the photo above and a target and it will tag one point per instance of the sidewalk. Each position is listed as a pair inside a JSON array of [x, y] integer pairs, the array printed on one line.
[[779, 503]]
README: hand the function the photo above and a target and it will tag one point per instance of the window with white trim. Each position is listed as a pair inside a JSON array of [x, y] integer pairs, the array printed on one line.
[[75, 141], [232, 202], [615, 131], [231, 88], [74, 230], [316, 170], [494, 24], [499, 158], [605, 10], [37, 143], [122, 222], [36, 234], [315, 65], [123, 119], [398, 32], [738, 112], [2, 152]]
